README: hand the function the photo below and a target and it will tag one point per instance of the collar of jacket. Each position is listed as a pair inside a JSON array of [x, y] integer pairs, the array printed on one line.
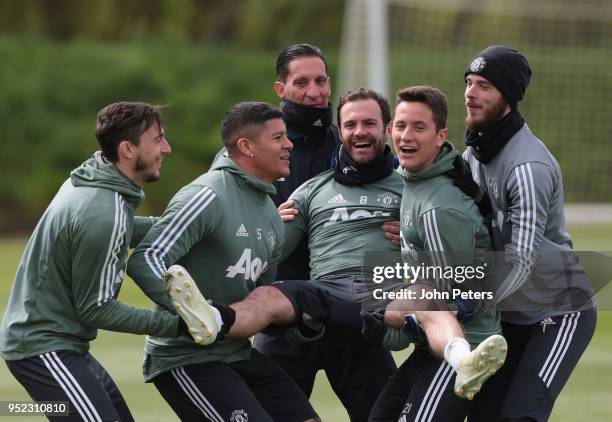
[[99, 172], [306, 126], [261, 190], [443, 163]]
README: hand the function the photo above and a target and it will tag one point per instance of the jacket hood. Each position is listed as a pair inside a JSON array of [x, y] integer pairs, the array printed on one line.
[[227, 164], [100, 173], [443, 163]]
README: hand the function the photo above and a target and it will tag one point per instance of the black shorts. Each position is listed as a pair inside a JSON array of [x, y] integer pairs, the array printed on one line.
[[254, 389], [77, 378], [422, 389], [356, 369], [343, 294], [541, 358]]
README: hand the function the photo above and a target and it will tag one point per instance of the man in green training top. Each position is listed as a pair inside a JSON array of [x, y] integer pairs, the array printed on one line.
[[440, 219], [70, 274], [226, 231]]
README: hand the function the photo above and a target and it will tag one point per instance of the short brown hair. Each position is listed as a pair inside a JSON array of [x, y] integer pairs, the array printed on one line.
[[358, 94], [432, 97], [124, 121]]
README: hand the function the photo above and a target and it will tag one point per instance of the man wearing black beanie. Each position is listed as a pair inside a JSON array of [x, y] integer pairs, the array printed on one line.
[[546, 329]]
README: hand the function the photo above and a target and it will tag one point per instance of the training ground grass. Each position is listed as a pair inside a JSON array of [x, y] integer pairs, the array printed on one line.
[[586, 397]]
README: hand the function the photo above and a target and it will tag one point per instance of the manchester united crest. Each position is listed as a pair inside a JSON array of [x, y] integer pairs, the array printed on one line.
[[239, 416], [478, 64], [388, 200]]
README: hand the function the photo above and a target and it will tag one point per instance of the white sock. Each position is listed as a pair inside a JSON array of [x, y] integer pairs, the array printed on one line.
[[455, 351], [218, 318], [217, 314]]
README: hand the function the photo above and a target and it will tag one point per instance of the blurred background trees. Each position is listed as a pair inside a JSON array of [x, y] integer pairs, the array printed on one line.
[[263, 24], [63, 60]]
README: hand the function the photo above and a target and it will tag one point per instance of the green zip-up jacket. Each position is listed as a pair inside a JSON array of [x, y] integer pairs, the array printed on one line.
[[342, 223], [71, 271], [437, 217], [225, 230]]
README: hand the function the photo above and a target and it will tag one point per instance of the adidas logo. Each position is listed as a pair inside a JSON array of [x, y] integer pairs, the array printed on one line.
[[318, 123], [545, 322], [338, 199], [241, 232]]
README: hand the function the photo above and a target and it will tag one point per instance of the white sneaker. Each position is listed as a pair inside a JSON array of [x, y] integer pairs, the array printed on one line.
[[191, 305], [480, 365]]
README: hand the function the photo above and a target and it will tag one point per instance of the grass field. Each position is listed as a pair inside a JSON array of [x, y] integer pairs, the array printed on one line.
[[587, 397]]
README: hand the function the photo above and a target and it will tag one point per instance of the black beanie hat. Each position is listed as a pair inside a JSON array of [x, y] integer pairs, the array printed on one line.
[[505, 68]]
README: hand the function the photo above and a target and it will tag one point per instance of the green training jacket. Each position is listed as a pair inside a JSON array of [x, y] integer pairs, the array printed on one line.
[[437, 217], [72, 268], [342, 223], [225, 230]]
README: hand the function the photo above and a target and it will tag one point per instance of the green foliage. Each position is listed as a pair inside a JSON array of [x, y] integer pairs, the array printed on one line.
[[246, 23], [566, 104], [568, 45], [52, 92]]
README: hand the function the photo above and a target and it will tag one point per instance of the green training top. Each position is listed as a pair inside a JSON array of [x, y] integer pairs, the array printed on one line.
[[343, 223], [226, 231], [437, 217], [72, 268]]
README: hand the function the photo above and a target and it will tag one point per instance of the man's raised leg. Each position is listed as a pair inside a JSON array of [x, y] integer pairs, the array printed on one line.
[[290, 303], [263, 306], [447, 341]]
